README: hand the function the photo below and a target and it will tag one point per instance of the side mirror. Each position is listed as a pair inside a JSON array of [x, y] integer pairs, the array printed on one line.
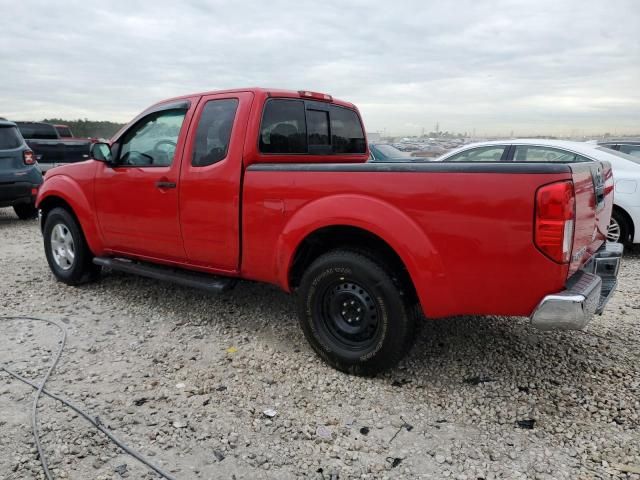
[[101, 152]]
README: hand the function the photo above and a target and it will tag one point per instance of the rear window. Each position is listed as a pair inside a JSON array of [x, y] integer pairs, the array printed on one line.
[[64, 132], [9, 138], [40, 131], [299, 127]]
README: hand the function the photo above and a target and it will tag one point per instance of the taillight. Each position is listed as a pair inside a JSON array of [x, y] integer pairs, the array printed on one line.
[[28, 157], [555, 220]]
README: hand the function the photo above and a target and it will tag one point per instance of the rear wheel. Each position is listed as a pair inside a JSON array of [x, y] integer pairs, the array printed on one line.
[[66, 249], [26, 211], [619, 230], [353, 314]]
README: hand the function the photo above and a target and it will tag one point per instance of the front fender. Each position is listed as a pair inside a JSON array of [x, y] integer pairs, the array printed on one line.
[[382, 219], [67, 189]]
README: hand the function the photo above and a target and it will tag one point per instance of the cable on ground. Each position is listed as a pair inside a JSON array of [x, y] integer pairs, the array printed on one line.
[[95, 421]]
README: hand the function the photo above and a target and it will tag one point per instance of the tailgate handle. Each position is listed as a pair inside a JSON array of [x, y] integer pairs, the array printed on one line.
[[165, 184]]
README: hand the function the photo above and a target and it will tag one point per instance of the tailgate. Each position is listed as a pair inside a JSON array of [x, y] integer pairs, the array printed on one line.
[[76, 150], [593, 186]]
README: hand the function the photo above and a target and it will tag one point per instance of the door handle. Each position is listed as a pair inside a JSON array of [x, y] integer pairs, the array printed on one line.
[[165, 184]]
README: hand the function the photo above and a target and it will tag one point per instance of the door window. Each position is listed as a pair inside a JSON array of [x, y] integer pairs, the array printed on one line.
[[214, 132], [152, 141], [531, 153], [491, 153]]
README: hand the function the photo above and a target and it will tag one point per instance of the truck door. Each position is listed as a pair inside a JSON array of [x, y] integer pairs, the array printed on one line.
[[210, 181], [137, 196]]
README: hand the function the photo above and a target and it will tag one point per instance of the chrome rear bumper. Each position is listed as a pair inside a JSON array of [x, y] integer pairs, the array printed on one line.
[[587, 293]]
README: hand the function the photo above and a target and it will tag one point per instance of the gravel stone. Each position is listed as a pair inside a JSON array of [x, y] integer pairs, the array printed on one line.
[[185, 376]]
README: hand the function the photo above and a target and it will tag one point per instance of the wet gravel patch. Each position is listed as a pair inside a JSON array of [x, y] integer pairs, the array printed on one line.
[[186, 378]]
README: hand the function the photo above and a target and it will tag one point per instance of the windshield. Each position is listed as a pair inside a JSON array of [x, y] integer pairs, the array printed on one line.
[[626, 156], [388, 151]]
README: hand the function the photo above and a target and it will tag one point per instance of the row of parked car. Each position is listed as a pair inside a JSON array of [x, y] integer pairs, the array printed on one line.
[[27, 151], [623, 156]]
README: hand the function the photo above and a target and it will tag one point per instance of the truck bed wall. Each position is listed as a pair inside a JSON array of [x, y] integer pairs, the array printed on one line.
[[465, 232]]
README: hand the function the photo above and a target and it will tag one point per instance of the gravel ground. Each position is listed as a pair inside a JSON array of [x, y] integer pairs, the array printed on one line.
[[185, 377]]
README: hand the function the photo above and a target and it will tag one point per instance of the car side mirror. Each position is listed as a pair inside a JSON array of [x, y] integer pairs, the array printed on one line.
[[101, 152]]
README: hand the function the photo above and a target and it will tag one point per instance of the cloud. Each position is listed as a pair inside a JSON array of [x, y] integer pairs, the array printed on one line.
[[496, 66]]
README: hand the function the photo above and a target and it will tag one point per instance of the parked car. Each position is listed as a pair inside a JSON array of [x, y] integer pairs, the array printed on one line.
[[629, 147], [19, 174], [383, 152], [274, 186], [50, 148], [625, 219]]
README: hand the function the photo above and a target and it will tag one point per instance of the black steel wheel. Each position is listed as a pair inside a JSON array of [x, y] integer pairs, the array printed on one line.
[[353, 314]]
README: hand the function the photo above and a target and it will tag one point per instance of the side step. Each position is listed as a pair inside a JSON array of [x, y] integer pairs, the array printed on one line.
[[185, 278]]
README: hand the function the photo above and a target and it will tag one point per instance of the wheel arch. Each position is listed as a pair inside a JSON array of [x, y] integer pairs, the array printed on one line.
[[62, 192], [365, 224]]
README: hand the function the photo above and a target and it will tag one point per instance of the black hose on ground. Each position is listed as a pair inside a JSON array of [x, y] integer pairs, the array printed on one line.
[[95, 421]]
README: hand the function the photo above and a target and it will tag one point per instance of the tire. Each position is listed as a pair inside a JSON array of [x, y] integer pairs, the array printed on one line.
[[26, 211], [353, 314], [619, 229], [62, 234]]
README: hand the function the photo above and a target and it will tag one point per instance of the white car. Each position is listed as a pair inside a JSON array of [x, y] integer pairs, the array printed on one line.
[[625, 219]]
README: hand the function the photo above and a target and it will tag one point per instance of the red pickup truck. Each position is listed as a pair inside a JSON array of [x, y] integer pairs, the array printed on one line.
[[274, 186]]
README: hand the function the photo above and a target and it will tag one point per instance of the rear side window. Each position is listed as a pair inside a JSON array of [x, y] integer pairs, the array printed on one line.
[[38, 131], [9, 138], [214, 132], [527, 153], [491, 153], [299, 127], [284, 127]]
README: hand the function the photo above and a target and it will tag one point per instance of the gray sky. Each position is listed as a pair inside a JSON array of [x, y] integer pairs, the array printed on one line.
[[537, 66]]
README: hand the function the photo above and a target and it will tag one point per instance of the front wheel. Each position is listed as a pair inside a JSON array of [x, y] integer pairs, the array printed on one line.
[[26, 211], [66, 250], [353, 314]]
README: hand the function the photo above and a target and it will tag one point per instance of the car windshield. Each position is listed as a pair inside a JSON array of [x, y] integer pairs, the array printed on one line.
[[626, 156], [9, 138], [389, 151]]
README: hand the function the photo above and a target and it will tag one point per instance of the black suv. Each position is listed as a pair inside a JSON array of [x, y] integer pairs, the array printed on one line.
[[20, 177]]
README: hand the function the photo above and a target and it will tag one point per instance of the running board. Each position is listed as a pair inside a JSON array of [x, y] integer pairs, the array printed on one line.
[[185, 278]]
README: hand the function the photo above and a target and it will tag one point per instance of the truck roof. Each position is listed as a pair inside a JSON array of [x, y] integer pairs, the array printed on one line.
[[7, 123], [269, 92]]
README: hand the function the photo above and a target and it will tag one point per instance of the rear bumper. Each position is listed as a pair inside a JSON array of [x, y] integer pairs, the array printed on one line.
[[587, 293], [16, 192]]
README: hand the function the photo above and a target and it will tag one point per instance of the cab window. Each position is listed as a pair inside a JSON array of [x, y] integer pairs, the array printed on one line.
[[152, 141], [214, 132], [492, 153]]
